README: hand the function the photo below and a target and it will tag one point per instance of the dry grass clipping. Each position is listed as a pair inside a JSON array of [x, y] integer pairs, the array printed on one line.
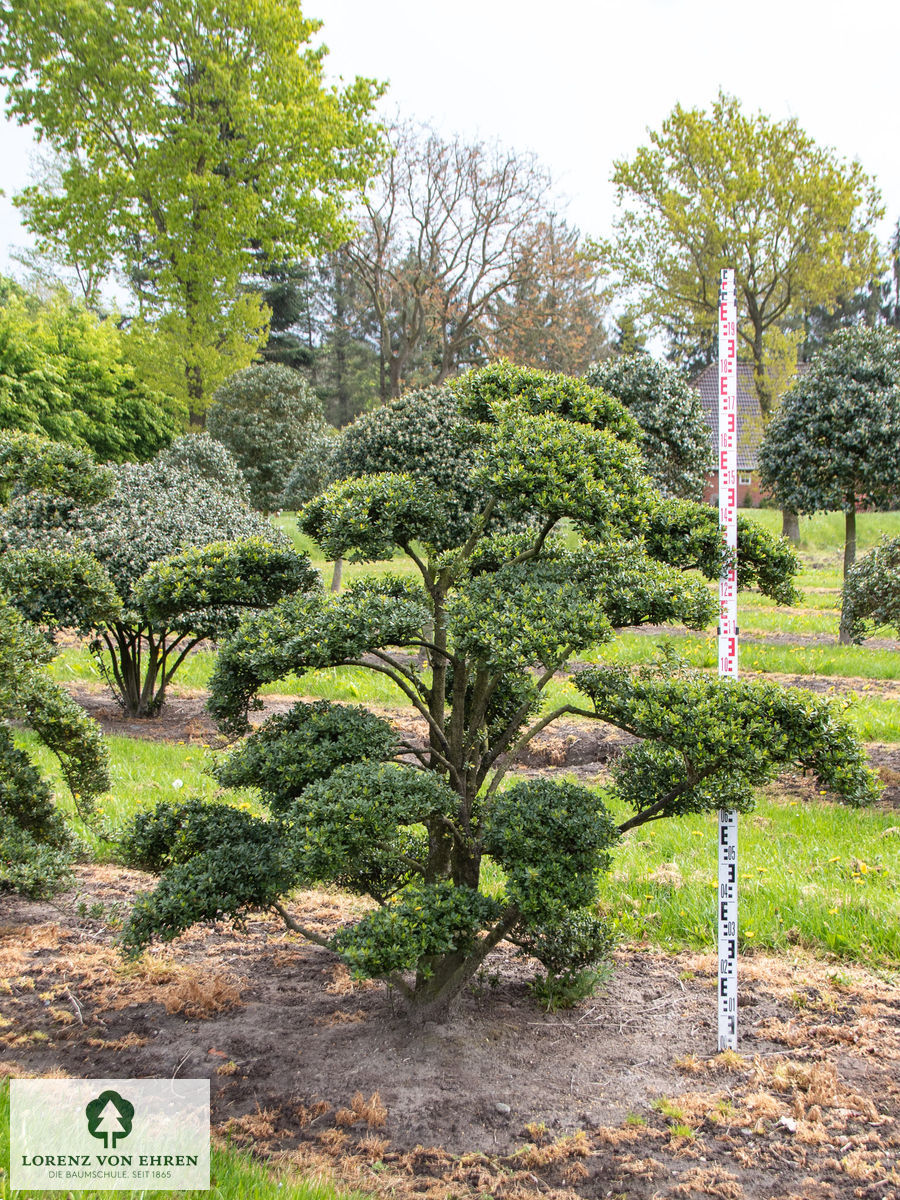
[[708, 1182], [341, 1018], [201, 996], [343, 984], [306, 1114], [536, 1158]]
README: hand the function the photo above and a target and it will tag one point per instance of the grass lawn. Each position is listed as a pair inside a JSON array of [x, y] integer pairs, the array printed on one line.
[[823, 534], [812, 873]]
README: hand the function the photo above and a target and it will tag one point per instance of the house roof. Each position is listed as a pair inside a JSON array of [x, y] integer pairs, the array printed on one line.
[[749, 414]]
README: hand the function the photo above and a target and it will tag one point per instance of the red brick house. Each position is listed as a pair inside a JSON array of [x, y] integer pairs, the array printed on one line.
[[750, 429]]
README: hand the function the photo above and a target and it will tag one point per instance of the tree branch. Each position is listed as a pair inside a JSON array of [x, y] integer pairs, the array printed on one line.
[[407, 691], [295, 927]]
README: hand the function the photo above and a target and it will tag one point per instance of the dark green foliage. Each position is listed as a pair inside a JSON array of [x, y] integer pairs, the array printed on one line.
[[362, 812], [366, 518], [710, 741], [570, 951], [473, 484], [222, 881], [296, 748], [217, 861], [204, 588], [835, 441], [30, 867], [60, 589], [688, 537], [428, 922], [541, 394], [36, 847], [267, 416], [314, 469], [310, 631], [550, 838], [200, 456], [173, 832], [674, 437], [26, 799], [871, 594], [422, 436]]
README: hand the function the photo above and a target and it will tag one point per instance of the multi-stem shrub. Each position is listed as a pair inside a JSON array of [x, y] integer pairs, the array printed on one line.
[[471, 483], [174, 535]]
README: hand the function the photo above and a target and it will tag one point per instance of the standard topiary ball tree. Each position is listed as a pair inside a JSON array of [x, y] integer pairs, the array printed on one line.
[[834, 444], [871, 593], [472, 484]]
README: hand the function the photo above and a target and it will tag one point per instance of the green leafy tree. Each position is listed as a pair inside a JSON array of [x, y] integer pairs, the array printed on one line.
[[267, 416], [191, 138], [871, 592], [674, 433], [723, 188], [168, 537], [499, 605], [65, 375], [835, 442]]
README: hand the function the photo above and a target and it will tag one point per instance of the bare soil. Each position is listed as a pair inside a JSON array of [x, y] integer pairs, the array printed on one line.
[[622, 1096]]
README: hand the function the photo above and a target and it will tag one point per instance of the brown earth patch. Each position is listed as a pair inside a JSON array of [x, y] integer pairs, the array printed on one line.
[[622, 1096]]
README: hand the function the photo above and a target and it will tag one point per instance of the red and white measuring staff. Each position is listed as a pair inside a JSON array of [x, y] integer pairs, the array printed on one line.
[[728, 650]]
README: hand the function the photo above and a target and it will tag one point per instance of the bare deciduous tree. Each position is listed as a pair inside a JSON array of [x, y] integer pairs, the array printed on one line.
[[443, 234]]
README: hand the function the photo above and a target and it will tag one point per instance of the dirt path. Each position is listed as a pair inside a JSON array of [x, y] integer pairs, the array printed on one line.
[[622, 1096]]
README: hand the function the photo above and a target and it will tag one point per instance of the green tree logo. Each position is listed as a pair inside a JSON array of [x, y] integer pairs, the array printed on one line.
[[109, 1116]]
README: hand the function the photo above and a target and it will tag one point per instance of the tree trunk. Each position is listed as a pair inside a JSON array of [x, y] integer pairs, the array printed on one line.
[[849, 560], [790, 526], [336, 574]]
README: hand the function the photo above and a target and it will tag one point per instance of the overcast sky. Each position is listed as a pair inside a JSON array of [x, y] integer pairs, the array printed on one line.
[[579, 84]]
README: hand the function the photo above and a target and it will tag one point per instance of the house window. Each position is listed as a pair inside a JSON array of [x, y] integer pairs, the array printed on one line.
[[745, 479]]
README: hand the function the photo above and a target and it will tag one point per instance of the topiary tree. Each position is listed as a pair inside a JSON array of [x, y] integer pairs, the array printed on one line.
[[835, 441], [268, 416], [200, 455], [474, 482], [674, 436], [175, 533], [29, 463], [871, 592]]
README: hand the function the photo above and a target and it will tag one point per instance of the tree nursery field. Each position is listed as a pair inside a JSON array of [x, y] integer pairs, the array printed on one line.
[[320, 1085]]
